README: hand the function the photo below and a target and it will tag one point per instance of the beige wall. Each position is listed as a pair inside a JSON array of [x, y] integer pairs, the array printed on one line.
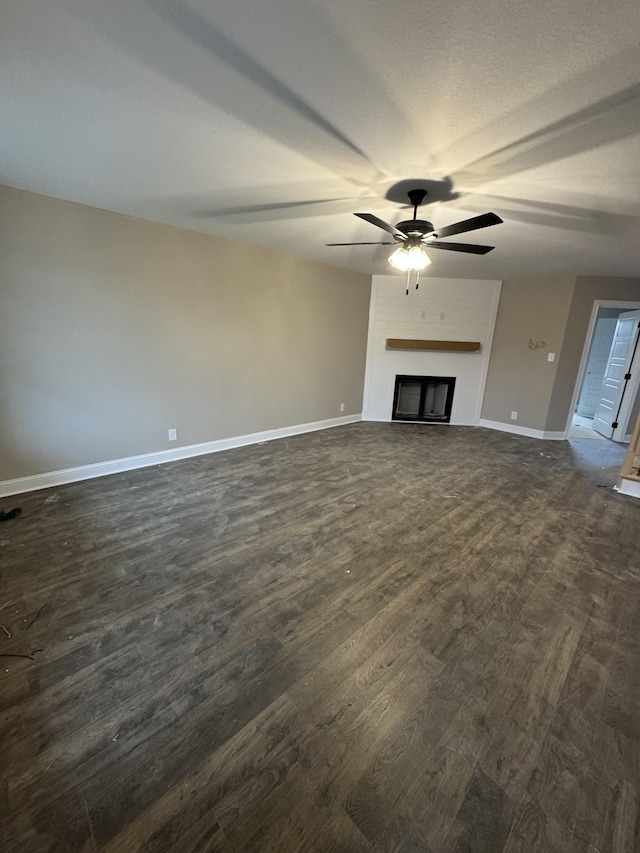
[[586, 291], [113, 330], [556, 310], [521, 379]]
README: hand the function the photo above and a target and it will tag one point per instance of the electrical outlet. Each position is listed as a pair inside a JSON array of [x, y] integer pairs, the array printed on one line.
[[173, 435], [514, 416], [551, 356], [342, 407]]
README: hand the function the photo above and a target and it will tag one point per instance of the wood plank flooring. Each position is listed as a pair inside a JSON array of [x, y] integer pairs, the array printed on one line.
[[381, 637]]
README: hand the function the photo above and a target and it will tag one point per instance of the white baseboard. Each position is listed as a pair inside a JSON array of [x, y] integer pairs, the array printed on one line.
[[526, 431], [129, 463], [629, 487]]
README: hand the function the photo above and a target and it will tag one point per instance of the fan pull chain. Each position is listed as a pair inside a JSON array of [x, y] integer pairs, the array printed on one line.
[[406, 293], [417, 278]]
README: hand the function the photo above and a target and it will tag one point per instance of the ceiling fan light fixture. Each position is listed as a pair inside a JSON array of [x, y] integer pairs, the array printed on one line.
[[399, 259], [418, 258], [413, 258]]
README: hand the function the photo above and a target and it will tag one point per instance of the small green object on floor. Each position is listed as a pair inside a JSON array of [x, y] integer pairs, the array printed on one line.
[[5, 516]]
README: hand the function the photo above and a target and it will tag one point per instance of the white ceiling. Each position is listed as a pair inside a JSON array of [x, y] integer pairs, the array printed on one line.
[[270, 122]]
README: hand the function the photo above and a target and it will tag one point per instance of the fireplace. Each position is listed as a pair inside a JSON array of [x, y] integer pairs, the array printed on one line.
[[423, 398]]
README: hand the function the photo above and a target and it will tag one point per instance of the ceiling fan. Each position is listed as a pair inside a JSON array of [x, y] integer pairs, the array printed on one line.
[[413, 235]]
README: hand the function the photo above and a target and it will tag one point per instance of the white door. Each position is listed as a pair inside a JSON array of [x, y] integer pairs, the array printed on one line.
[[596, 366], [618, 364]]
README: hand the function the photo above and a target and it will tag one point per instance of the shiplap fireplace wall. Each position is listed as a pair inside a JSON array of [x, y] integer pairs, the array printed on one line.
[[444, 310]]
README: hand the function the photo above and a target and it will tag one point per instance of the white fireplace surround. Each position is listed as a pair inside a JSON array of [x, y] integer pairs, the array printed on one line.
[[442, 309]]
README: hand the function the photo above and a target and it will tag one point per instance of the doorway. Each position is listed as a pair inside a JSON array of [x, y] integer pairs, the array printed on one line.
[[609, 374], [618, 384]]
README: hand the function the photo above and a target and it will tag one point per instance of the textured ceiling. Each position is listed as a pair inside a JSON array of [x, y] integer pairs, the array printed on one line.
[[270, 122]]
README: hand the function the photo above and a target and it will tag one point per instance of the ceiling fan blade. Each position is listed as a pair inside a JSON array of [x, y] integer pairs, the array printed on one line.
[[483, 221], [361, 244], [470, 248], [386, 226]]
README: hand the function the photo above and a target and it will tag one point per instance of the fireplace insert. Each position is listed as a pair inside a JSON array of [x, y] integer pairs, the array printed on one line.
[[423, 398]]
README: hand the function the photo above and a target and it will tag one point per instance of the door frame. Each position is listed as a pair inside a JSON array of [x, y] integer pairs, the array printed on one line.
[[632, 388]]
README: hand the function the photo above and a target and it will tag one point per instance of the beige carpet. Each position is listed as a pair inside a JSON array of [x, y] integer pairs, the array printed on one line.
[[581, 428]]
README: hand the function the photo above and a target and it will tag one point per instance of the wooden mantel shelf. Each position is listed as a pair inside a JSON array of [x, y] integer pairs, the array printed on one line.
[[433, 346]]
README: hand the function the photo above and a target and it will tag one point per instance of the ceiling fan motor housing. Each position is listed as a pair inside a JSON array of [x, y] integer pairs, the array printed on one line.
[[416, 227]]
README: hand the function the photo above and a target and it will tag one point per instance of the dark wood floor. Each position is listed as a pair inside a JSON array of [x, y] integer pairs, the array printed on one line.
[[375, 638]]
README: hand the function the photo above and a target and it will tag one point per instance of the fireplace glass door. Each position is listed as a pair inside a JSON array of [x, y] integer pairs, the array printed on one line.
[[423, 398]]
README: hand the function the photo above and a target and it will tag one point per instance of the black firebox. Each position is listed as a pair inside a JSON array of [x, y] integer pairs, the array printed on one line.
[[423, 398]]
